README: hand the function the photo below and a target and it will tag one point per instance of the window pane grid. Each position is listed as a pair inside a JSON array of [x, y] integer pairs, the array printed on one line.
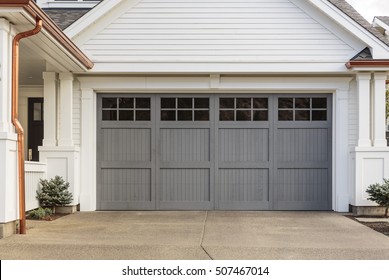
[[184, 109], [302, 109], [243, 109], [126, 109]]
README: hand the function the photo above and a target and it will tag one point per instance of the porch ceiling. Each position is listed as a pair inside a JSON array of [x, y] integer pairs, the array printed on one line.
[[50, 45]]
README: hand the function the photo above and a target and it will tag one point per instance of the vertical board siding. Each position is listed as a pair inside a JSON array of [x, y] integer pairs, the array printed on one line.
[[216, 30], [302, 144], [302, 185], [239, 145], [244, 184], [126, 144], [185, 145], [32, 185], [125, 185], [185, 185], [34, 171]]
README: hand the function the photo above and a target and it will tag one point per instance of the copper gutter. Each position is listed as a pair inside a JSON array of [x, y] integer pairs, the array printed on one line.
[[15, 121], [33, 9], [368, 63]]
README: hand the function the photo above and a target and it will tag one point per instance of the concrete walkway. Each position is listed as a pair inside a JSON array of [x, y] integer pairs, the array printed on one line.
[[197, 235]]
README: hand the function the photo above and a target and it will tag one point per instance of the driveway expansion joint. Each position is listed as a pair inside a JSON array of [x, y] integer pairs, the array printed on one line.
[[202, 236]]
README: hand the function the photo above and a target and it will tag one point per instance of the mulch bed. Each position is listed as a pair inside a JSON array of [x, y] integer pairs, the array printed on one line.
[[379, 226], [50, 218]]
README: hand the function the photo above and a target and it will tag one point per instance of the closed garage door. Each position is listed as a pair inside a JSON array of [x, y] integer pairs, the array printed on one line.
[[204, 152]]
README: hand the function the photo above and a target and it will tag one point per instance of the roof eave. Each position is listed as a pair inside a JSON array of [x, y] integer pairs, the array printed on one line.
[[48, 24]]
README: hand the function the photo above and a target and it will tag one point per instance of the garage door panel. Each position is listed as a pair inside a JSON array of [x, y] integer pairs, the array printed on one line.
[[125, 187], [302, 188], [302, 145], [182, 186], [126, 144], [185, 145], [243, 145], [243, 188]]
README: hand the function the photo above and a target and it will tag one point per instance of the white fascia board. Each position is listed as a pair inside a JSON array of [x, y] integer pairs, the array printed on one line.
[[89, 18], [217, 67], [379, 49], [370, 69]]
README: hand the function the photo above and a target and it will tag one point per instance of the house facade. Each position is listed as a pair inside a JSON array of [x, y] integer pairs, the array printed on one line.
[[186, 105]]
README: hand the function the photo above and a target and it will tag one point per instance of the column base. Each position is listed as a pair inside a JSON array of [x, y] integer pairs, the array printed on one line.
[[8, 229], [64, 162]]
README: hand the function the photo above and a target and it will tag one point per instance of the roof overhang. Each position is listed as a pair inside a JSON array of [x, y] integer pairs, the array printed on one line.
[[51, 42]]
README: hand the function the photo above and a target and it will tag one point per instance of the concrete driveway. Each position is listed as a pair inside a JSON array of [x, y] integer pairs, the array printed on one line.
[[197, 235]]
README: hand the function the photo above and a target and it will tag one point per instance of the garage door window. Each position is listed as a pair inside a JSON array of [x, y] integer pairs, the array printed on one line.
[[126, 109], [185, 109], [243, 109], [302, 109]]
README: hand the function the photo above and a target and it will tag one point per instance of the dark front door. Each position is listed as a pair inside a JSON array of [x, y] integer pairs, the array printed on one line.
[[35, 127]]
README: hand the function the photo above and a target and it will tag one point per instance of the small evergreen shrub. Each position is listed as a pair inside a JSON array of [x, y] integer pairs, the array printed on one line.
[[40, 213], [379, 193], [54, 192]]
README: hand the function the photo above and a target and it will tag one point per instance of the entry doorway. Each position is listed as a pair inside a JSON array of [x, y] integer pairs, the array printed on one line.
[[35, 127]]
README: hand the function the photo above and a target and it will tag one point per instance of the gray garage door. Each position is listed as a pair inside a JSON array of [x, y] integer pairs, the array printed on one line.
[[204, 152]]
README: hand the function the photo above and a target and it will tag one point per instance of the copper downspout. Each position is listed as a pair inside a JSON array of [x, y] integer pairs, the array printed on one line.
[[15, 121]]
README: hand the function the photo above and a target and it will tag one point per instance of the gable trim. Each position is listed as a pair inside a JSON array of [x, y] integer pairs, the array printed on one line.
[[91, 17], [379, 49]]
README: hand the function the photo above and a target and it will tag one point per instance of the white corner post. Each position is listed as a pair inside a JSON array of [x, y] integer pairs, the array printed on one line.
[[88, 150], [363, 87], [370, 159], [341, 197], [8, 155], [61, 156], [379, 111]]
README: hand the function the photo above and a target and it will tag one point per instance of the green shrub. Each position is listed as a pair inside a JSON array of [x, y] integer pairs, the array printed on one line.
[[379, 193], [40, 213], [54, 192]]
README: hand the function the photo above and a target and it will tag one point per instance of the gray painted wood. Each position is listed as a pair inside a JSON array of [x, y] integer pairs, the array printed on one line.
[[205, 165]]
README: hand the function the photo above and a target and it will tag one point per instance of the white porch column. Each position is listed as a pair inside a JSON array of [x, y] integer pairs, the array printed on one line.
[[5, 76], [341, 196], [88, 150], [379, 111], [8, 155], [63, 160], [66, 110], [50, 109], [363, 87]]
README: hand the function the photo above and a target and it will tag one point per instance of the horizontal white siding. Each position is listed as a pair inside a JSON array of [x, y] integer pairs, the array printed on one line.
[[216, 30], [76, 114], [353, 115]]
